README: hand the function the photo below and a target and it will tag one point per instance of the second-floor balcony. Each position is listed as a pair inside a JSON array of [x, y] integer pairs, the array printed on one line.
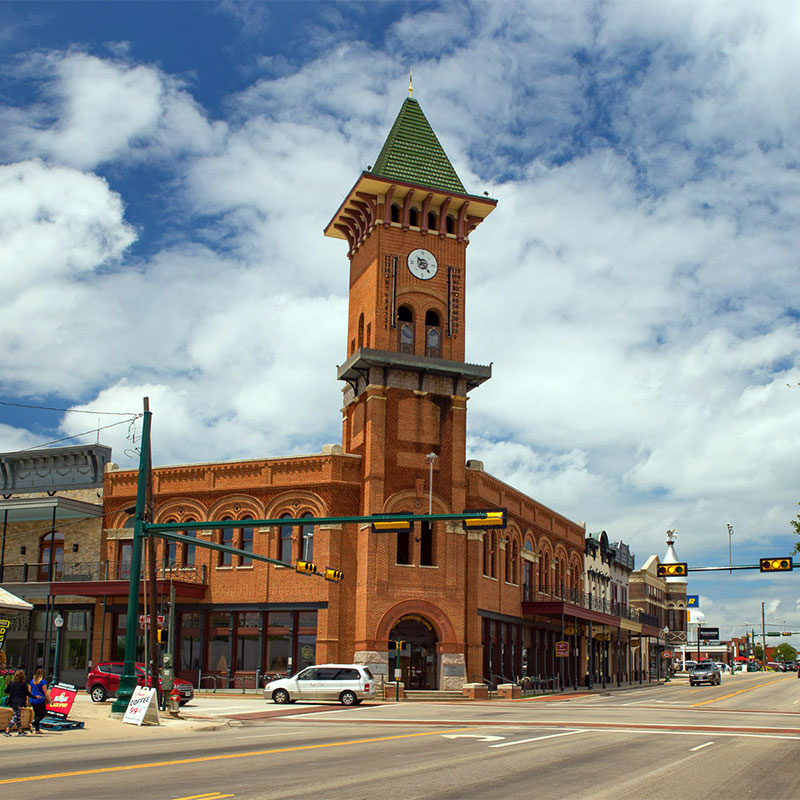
[[104, 574], [548, 595]]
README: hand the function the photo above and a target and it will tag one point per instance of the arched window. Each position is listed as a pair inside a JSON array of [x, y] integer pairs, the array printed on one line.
[[413, 217], [514, 561], [433, 335], [487, 554], [308, 541], [431, 220], [285, 552], [360, 331], [404, 546], [51, 552], [493, 554], [405, 329], [426, 542], [509, 573], [170, 551], [246, 544], [189, 549], [449, 224], [226, 538], [395, 213]]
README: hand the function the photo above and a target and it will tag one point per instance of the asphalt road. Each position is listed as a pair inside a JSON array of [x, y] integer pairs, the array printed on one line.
[[741, 739]]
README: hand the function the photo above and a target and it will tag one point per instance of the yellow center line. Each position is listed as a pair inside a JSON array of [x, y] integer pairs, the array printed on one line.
[[213, 795], [199, 759], [732, 694]]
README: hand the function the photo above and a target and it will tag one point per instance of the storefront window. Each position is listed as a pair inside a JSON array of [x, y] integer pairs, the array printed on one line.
[[219, 642], [77, 650], [77, 620]]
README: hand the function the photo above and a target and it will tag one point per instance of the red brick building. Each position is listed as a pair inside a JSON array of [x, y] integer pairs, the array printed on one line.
[[466, 605]]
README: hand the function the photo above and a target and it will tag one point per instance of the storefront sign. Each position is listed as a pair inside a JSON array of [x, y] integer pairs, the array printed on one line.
[[634, 642], [5, 624], [416, 618], [143, 707], [666, 654], [569, 630], [708, 634], [562, 649], [693, 601], [62, 696]]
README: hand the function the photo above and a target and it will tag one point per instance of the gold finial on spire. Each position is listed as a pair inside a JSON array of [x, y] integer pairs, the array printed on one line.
[[410, 82]]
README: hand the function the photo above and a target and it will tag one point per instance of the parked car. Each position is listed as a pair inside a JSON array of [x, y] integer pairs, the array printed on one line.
[[103, 681], [347, 683], [705, 672]]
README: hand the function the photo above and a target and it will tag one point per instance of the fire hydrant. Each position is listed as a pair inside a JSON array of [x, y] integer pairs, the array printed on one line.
[[174, 702]]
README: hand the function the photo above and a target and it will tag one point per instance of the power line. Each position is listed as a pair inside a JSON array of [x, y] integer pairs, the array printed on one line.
[[84, 433], [72, 410]]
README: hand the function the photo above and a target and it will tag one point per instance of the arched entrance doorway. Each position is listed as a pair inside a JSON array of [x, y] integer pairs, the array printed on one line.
[[416, 658]]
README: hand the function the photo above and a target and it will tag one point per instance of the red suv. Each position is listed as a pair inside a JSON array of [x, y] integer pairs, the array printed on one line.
[[103, 681]]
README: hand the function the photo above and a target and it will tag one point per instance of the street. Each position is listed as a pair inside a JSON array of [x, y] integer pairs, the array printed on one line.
[[740, 739]]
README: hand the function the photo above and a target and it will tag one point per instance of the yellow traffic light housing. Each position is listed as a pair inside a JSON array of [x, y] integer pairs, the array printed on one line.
[[396, 525], [306, 567], [160, 635], [489, 518], [333, 574], [678, 570], [775, 564]]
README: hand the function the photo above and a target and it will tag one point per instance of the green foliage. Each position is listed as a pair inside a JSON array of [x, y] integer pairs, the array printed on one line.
[[785, 652], [758, 652], [795, 523]]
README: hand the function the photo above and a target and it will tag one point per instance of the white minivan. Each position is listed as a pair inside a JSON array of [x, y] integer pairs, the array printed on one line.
[[347, 683]]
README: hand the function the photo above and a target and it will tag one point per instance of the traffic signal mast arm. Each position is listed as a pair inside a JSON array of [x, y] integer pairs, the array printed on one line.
[[491, 517]]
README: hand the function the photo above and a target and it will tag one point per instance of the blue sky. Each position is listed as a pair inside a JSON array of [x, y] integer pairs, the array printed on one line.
[[166, 170]]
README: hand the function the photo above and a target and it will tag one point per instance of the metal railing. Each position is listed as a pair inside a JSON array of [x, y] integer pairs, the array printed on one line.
[[587, 600], [95, 571]]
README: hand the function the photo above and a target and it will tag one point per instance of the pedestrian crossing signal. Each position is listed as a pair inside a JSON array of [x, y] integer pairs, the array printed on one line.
[[678, 570], [775, 564], [333, 574], [306, 567]]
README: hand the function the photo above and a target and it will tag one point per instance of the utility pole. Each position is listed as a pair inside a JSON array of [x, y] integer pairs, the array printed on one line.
[[763, 637], [730, 549]]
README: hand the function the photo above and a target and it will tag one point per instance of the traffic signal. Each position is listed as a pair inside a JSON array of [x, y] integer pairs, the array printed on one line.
[[775, 564], [306, 567], [333, 574], [160, 638], [485, 518], [399, 644], [396, 525], [678, 570]]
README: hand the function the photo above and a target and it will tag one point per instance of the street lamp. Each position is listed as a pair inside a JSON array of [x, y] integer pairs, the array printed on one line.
[[59, 623], [665, 631], [430, 458]]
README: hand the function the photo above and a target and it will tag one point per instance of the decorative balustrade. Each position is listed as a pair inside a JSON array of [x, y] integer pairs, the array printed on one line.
[[95, 571]]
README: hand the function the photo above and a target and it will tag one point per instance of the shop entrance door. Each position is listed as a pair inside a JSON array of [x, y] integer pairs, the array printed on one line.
[[417, 658]]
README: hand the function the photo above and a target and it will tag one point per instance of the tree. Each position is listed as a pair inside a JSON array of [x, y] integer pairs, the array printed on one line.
[[785, 652], [758, 652], [795, 523]]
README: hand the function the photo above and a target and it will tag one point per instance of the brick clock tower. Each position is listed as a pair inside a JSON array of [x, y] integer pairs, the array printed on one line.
[[407, 222]]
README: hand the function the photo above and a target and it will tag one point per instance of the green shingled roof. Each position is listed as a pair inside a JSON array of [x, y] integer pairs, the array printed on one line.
[[412, 153]]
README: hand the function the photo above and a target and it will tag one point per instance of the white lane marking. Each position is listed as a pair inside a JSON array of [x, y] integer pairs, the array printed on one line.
[[700, 747], [479, 736], [795, 738], [537, 738]]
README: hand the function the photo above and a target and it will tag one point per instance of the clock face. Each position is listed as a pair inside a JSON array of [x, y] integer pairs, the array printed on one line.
[[422, 264]]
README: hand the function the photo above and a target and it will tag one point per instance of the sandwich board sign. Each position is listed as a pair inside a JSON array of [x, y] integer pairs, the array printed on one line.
[[143, 707]]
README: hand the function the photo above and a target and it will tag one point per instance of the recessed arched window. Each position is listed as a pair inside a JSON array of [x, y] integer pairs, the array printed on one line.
[[514, 561], [403, 547], [433, 335], [170, 551], [285, 553], [405, 329], [509, 575], [360, 331], [226, 538], [246, 543], [308, 541], [189, 549], [426, 544], [449, 224], [395, 213], [431, 221], [413, 217], [493, 554]]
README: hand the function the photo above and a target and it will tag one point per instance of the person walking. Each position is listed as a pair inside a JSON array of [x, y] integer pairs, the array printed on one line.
[[39, 699], [18, 693]]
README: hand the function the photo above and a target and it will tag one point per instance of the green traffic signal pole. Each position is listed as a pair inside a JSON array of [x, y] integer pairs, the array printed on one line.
[[129, 680]]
